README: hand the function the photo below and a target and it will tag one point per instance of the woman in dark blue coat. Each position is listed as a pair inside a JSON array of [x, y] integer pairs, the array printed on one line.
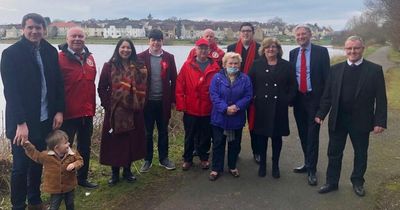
[[274, 87], [230, 92]]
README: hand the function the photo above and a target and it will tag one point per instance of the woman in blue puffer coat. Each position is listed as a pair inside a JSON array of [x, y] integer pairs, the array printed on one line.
[[230, 92]]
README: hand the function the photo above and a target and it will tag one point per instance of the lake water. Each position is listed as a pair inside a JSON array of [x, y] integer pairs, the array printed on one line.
[[102, 54]]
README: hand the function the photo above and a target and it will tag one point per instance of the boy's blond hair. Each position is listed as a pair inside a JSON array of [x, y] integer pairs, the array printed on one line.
[[55, 137]]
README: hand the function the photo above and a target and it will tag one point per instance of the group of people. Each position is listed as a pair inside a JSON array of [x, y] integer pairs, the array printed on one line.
[[50, 98]]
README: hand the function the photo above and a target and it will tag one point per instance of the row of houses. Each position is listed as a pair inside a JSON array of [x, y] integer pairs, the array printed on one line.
[[172, 29]]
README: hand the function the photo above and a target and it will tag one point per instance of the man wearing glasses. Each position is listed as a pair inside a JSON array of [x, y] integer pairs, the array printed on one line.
[[355, 95], [248, 49]]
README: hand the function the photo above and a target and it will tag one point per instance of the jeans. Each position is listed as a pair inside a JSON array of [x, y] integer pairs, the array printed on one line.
[[218, 149], [83, 128], [153, 113], [55, 200], [26, 174]]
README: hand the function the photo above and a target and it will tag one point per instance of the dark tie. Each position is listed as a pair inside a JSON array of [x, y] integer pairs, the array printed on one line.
[[303, 72], [80, 56]]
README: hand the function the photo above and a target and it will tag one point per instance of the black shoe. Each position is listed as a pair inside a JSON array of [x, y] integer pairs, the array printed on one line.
[[359, 190], [256, 158], [300, 169], [312, 179], [262, 172], [87, 184], [327, 188], [113, 181], [276, 173], [129, 177]]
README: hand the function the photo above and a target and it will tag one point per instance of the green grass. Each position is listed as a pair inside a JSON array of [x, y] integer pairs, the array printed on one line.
[[394, 55], [392, 79]]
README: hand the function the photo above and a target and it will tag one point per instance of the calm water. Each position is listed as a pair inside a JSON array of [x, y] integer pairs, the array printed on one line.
[[102, 54]]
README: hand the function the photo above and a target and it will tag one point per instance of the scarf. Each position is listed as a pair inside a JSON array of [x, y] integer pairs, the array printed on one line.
[[127, 97], [251, 54]]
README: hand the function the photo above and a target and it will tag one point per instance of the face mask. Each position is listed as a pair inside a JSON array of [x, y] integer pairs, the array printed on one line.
[[232, 70]]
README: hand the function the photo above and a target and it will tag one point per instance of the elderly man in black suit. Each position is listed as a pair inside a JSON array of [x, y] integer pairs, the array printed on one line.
[[312, 66], [356, 97], [34, 93]]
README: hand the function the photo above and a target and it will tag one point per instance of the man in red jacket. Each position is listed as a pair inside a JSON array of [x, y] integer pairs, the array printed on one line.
[[215, 52], [193, 98], [79, 71]]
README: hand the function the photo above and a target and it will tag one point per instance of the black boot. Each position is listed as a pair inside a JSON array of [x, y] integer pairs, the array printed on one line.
[[114, 177], [262, 170], [128, 175], [275, 170]]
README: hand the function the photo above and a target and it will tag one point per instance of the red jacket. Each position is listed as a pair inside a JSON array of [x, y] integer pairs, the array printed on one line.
[[168, 77], [79, 84], [192, 88]]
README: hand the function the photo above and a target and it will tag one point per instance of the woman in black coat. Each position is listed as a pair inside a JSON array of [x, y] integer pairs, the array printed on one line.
[[274, 84]]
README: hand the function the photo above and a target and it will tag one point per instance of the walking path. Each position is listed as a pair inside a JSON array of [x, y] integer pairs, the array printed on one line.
[[291, 191]]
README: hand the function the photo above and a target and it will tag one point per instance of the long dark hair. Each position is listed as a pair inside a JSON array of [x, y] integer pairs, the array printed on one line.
[[116, 58]]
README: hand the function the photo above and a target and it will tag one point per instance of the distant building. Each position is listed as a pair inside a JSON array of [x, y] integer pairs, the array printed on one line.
[[60, 28], [117, 30]]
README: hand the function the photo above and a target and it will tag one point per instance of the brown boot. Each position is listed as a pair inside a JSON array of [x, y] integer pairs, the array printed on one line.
[[37, 207]]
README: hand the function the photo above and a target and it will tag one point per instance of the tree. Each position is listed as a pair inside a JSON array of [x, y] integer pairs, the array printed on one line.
[[367, 26], [178, 29], [149, 17], [276, 21], [388, 12]]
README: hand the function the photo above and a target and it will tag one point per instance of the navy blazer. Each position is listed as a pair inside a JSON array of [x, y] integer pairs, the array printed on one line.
[[370, 97], [22, 85], [319, 68]]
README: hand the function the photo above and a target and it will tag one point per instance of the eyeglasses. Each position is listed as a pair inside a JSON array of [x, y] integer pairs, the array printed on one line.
[[246, 31], [353, 48], [271, 47]]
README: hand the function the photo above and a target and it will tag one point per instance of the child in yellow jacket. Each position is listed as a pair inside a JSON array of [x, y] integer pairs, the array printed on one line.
[[60, 165]]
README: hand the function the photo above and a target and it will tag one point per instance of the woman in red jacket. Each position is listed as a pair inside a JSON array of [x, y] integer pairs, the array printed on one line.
[[193, 98]]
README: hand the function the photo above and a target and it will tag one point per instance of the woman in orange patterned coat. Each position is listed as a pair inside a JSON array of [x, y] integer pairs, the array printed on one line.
[[122, 91]]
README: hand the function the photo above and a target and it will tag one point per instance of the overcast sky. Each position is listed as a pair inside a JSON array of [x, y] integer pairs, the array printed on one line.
[[334, 13]]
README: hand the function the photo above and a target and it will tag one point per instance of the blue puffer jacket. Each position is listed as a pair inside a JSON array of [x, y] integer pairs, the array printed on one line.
[[222, 95]]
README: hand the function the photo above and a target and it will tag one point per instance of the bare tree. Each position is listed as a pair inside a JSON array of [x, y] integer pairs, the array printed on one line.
[[388, 11]]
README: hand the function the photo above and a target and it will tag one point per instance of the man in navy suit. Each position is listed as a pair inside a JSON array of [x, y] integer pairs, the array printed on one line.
[[356, 97], [312, 66]]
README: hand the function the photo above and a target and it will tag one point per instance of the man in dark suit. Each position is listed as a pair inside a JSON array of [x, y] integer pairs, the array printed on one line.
[[34, 93], [356, 97], [160, 98], [247, 47], [312, 66]]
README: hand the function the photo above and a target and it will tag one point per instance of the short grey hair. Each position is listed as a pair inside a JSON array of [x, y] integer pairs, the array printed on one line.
[[306, 27], [355, 38]]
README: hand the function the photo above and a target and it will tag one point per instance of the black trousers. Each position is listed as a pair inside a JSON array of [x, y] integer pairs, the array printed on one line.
[[200, 128], [337, 142], [304, 110], [82, 127], [262, 142], [153, 114], [218, 149], [55, 200]]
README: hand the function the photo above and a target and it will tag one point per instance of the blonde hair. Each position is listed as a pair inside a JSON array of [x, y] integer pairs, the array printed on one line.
[[231, 55], [55, 137], [268, 42]]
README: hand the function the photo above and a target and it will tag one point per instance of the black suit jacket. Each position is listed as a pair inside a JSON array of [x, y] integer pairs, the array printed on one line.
[[370, 104], [22, 85], [319, 69]]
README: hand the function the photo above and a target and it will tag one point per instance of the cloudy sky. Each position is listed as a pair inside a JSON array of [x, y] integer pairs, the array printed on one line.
[[334, 13]]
